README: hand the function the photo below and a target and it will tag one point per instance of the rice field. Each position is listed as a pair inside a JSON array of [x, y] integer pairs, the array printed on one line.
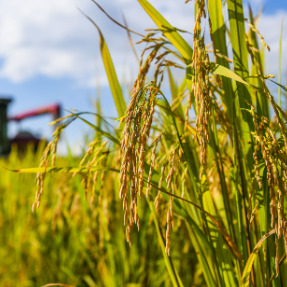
[[189, 189]]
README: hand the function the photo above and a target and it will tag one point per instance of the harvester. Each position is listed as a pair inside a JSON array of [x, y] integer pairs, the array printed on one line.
[[23, 138]]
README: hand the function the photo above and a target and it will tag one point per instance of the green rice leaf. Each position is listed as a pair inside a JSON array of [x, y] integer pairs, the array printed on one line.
[[219, 40], [173, 36], [116, 22], [279, 66], [281, 86], [248, 267], [111, 74], [226, 236], [240, 59], [198, 238], [222, 71], [261, 99], [168, 263], [120, 118], [221, 253], [100, 131], [219, 70]]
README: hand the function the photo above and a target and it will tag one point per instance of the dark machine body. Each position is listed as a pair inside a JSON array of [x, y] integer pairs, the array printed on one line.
[[23, 138]]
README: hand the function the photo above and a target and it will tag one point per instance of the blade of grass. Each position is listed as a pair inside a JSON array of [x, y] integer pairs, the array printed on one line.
[[223, 71], [57, 284], [240, 191], [224, 233], [100, 131], [279, 68], [219, 165], [69, 169], [111, 73], [116, 22], [219, 37], [248, 267], [206, 268], [222, 254], [198, 238], [262, 102], [174, 93], [240, 58], [130, 39], [173, 36], [281, 86], [217, 224], [168, 263]]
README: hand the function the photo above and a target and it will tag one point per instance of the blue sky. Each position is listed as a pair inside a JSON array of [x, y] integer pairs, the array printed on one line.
[[49, 52], [270, 6]]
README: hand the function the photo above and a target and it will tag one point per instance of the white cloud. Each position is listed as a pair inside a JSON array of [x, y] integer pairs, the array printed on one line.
[[270, 27], [40, 37], [52, 38]]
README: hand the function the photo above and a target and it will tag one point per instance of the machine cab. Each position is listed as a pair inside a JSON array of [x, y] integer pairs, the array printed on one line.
[[4, 141]]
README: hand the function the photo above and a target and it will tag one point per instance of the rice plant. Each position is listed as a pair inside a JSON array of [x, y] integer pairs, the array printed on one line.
[[207, 165]]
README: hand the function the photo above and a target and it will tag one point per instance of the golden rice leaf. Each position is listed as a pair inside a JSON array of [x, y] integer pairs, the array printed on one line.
[[248, 267], [218, 70], [71, 169], [57, 284], [119, 119], [222, 71], [173, 36]]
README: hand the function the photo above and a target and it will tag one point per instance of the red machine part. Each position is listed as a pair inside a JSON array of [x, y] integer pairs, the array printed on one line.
[[24, 138], [51, 109]]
